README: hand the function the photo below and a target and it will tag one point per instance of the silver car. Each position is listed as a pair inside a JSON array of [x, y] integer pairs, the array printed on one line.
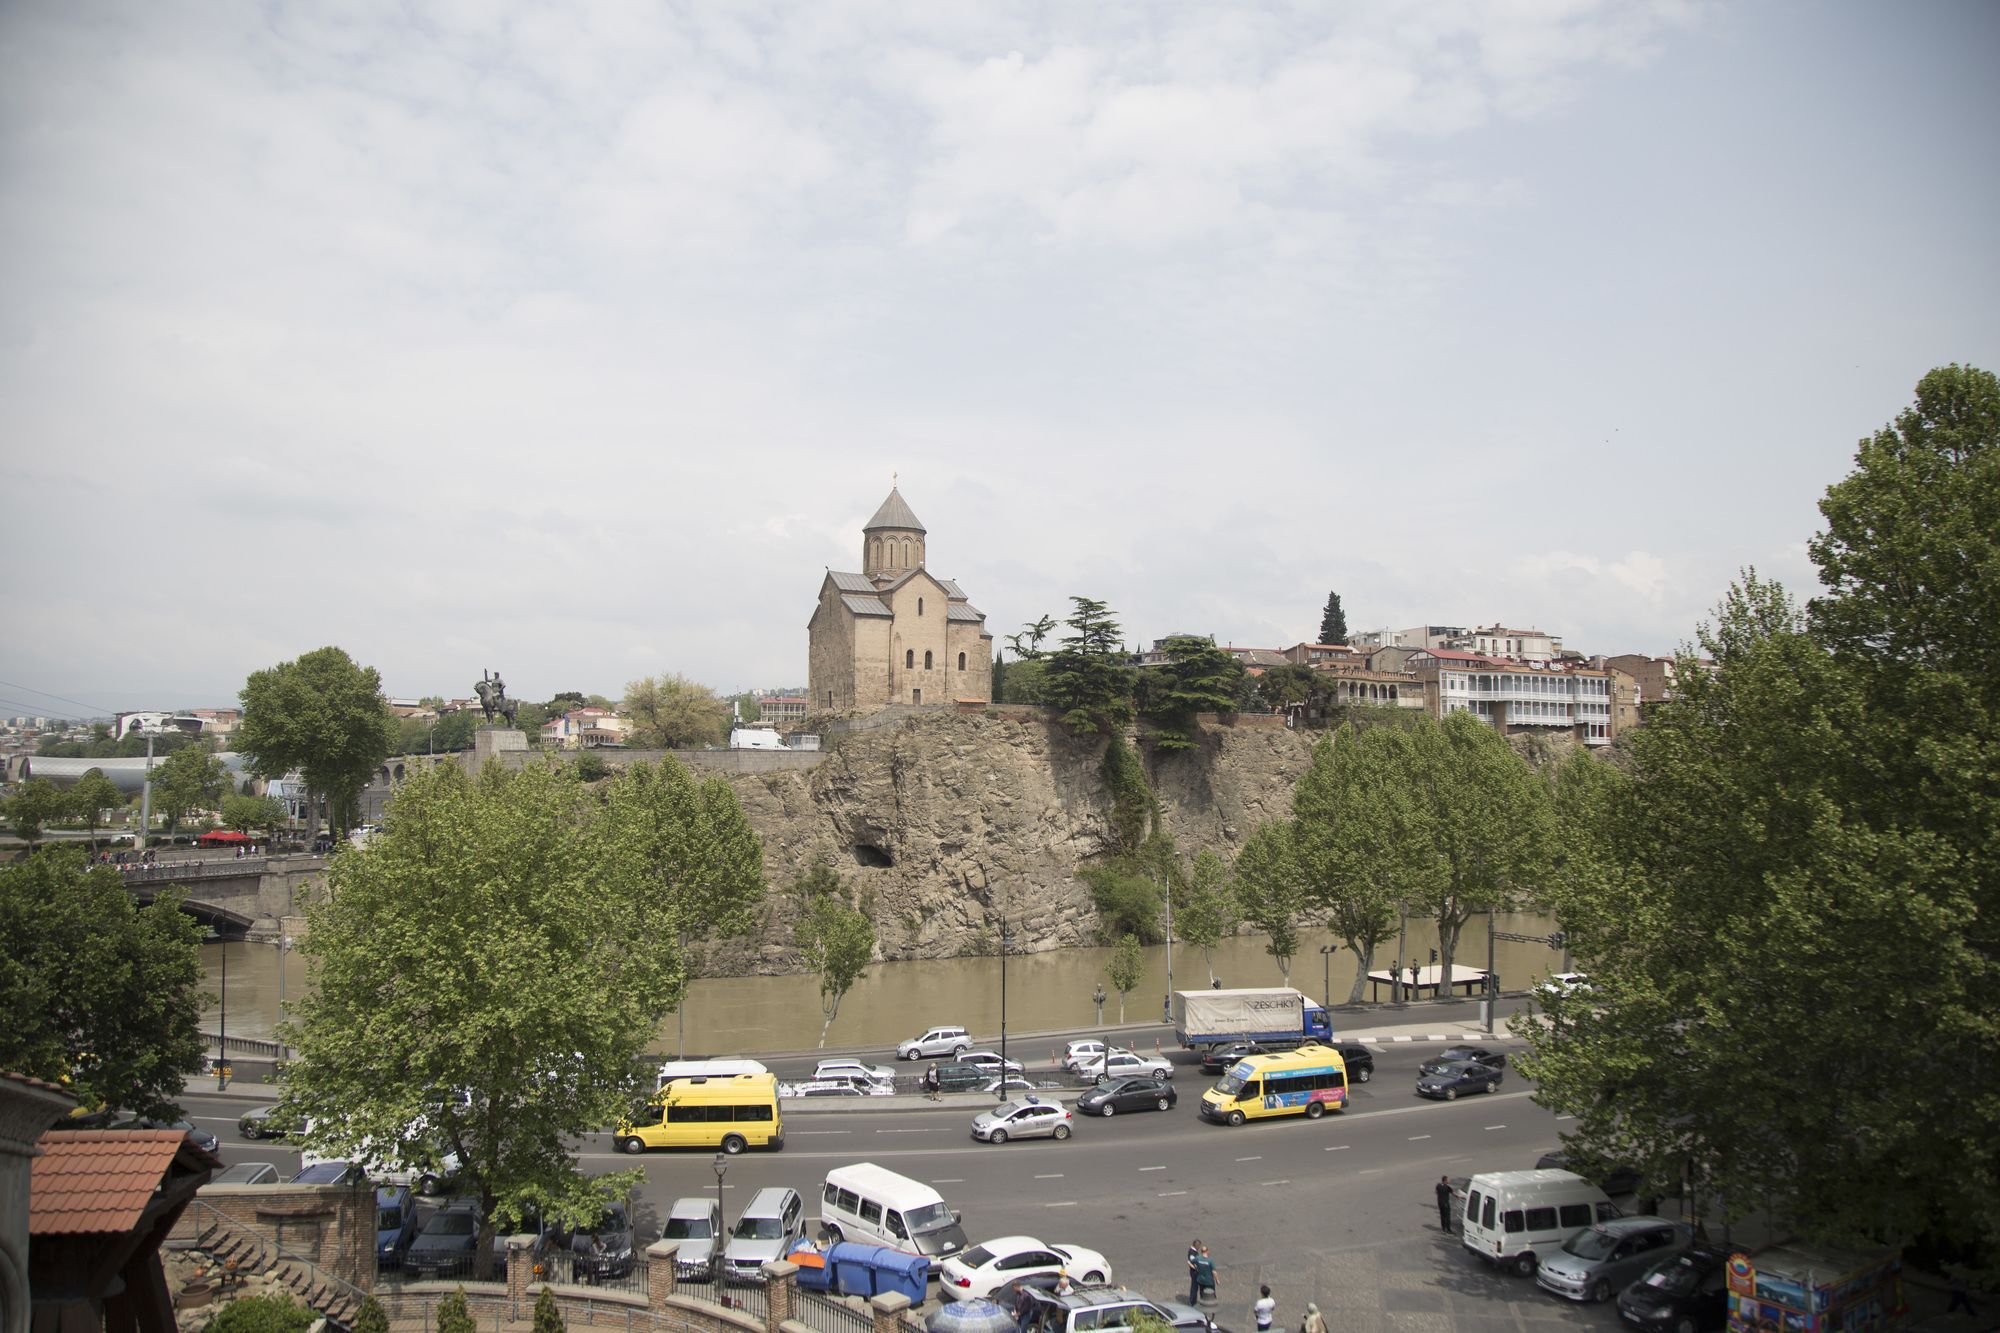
[[948, 1040], [1028, 1118], [773, 1220], [1597, 1262], [695, 1224]]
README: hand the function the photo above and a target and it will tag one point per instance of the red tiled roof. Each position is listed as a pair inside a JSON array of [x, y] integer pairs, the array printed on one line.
[[89, 1181]]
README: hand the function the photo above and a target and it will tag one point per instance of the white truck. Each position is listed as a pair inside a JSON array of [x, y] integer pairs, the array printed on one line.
[[1274, 1017]]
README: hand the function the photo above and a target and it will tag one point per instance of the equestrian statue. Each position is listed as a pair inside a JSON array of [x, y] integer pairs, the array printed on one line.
[[493, 700]]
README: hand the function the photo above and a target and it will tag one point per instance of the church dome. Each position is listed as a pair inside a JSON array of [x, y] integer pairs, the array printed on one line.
[[894, 513]]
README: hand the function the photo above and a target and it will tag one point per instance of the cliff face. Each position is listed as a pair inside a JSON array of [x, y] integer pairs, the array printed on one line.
[[947, 820]]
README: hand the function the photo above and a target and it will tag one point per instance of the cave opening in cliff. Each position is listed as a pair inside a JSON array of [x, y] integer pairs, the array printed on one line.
[[867, 854]]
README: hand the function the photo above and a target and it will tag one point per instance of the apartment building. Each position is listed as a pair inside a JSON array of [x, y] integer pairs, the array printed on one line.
[[782, 710], [586, 729], [1516, 696]]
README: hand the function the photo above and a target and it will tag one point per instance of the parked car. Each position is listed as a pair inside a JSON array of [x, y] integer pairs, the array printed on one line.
[[1216, 1059], [1453, 1055], [821, 1087], [1595, 1263], [696, 1223], [1100, 1308], [774, 1218], [446, 1245], [395, 1225], [1018, 1083], [1360, 1061], [1128, 1094], [1029, 1118], [935, 1041], [327, 1173], [1077, 1052], [256, 1123], [990, 1061], [247, 1173], [962, 1078], [1614, 1180], [1450, 1080], [975, 1273], [200, 1137], [1127, 1064], [1687, 1292], [855, 1069], [1563, 983], [603, 1249]]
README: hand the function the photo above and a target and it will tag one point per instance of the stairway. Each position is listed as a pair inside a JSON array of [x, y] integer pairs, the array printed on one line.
[[227, 1243]]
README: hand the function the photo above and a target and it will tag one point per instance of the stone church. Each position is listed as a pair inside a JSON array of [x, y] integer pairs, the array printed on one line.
[[895, 633]]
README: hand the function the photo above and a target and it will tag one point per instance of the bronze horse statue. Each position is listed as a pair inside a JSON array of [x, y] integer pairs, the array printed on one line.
[[493, 698]]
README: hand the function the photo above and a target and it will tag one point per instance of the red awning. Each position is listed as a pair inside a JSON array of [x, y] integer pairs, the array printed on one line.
[[222, 837]]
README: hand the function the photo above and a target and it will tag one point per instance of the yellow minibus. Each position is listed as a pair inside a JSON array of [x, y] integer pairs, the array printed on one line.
[[730, 1113], [1310, 1081]]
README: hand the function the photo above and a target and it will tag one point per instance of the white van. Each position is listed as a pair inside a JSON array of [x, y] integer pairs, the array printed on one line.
[[875, 1206], [674, 1069], [1512, 1215]]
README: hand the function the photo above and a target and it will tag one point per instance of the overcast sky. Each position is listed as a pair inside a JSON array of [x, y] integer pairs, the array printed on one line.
[[576, 341]]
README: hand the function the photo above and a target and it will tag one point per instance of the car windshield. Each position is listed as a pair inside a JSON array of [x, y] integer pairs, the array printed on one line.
[[388, 1219], [928, 1217], [1233, 1082], [1005, 1109], [687, 1228], [976, 1257], [1455, 1069], [1676, 1277], [759, 1228], [452, 1224], [1591, 1243]]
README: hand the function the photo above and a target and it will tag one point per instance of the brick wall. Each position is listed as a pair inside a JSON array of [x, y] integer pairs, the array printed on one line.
[[331, 1226]]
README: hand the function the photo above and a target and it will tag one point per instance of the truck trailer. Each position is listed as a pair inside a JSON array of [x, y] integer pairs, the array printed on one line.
[[1276, 1017]]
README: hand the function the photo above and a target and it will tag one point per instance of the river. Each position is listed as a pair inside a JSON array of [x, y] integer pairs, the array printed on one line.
[[1045, 991]]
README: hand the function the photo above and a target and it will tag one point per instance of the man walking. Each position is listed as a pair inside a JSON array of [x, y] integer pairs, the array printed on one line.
[[1265, 1310], [931, 1082], [1194, 1253], [1444, 1203]]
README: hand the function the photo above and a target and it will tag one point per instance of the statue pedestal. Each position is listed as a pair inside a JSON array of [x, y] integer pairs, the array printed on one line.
[[489, 742]]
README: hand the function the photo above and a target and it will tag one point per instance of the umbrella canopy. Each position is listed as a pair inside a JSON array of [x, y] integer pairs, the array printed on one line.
[[969, 1317], [221, 837]]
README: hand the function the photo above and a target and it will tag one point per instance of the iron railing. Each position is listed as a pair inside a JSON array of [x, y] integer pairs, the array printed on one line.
[[825, 1314]]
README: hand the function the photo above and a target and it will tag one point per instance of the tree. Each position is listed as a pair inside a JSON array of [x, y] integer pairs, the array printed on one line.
[[1333, 621], [323, 716], [88, 799], [1282, 686], [1350, 839], [1020, 682], [836, 939], [1086, 679], [1197, 677], [565, 702], [272, 1312], [548, 1315], [1265, 882], [191, 779], [251, 814], [100, 994], [1028, 643], [1205, 911], [372, 1318], [35, 804], [1125, 970], [672, 712], [487, 973], [748, 710], [454, 1314]]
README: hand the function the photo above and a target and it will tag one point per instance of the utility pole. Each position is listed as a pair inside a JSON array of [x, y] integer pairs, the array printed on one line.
[[1167, 1001], [146, 797]]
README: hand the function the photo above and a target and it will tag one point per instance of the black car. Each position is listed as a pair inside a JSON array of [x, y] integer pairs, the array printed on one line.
[[1687, 1293], [1218, 1058], [1461, 1054], [1360, 1061], [1127, 1094], [1463, 1076], [603, 1249], [202, 1139], [957, 1077], [1613, 1180]]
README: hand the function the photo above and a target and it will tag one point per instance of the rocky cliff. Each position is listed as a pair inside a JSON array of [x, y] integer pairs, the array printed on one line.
[[945, 821]]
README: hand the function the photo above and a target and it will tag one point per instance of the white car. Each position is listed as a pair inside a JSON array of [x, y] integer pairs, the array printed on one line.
[[1564, 983], [1077, 1052], [977, 1273], [1017, 1083], [1127, 1064], [990, 1061], [936, 1041], [855, 1069], [834, 1087]]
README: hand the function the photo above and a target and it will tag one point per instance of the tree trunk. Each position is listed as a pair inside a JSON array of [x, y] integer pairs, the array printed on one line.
[[1364, 957]]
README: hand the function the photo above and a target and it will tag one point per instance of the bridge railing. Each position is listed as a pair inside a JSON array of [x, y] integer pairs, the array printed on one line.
[[168, 871]]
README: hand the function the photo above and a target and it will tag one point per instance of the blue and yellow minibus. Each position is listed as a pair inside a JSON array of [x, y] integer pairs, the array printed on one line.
[[1309, 1081]]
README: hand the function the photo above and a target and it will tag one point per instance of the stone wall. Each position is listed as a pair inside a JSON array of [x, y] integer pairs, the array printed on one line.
[[331, 1226]]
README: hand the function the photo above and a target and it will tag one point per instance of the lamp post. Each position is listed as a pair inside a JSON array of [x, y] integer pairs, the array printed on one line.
[[1103, 1038], [1167, 1001], [721, 1227], [222, 1035], [1000, 1090], [1402, 952]]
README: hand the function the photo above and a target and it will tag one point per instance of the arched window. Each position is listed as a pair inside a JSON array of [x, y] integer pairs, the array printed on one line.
[[909, 657], [920, 606], [927, 659], [961, 661]]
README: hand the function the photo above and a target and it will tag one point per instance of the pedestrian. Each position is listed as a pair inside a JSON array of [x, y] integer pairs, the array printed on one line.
[[1444, 1203], [1961, 1299], [1063, 1288], [1194, 1253], [1264, 1309], [1204, 1277], [1315, 1322], [931, 1082]]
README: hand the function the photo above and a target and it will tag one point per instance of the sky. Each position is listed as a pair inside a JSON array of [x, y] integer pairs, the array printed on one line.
[[577, 341]]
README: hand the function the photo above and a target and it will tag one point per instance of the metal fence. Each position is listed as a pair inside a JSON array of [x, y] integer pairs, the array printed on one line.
[[491, 1311], [749, 1297], [826, 1314], [609, 1272]]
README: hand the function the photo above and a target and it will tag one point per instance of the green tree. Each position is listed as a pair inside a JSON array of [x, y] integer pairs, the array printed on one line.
[[1350, 839], [748, 710], [34, 805], [323, 716], [372, 1318], [253, 814], [1086, 679], [671, 712], [273, 1312], [1205, 911], [835, 938], [1197, 677], [1020, 682], [1028, 643], [548, 1315], [191, 779], [88, 799], [526, 1032], [454, 1314], [1265, 882], [1125, 970], [1282, 686], [565, 702], [100, 994], [1333, 621], [1127, 897]]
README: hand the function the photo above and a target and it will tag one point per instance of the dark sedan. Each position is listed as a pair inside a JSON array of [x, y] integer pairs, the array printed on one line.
[[1688, 1291], [604, 1249], [1453, 1055], [1459, 1077], [1360, 1061], [1215, 1059], [1128, 1094]]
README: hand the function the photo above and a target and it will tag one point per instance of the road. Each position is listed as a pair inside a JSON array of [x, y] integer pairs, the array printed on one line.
[[1341, 1211]]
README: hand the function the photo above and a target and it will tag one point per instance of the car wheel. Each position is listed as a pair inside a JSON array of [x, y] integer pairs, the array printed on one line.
[[960, 1049], [1600, 1291], [1093, 1278], [1363, 1074], [1314, 1110], [999, 1136], [733, 1144], [833, 1230], [631, 1146], [1494, 1086], [1165, 1102], [1062, 1131], [1451, 1094], [1235, 1117], [1524, 1264], [1108, 1110], [427, 1184]]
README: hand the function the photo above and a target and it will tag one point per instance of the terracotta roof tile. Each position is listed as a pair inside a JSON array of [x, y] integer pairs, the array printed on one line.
[[99, 1180]]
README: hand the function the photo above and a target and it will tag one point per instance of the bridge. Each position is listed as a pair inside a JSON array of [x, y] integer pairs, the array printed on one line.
[[231, 894]]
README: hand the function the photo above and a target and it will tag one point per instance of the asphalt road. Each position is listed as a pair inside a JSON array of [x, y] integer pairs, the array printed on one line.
[[1341, 1211]]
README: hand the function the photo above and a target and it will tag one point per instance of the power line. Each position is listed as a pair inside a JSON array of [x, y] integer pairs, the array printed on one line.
[[16, 685]]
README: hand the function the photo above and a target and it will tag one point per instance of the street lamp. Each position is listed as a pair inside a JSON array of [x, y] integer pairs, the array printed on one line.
[[721, 1170], [1000, 1090]]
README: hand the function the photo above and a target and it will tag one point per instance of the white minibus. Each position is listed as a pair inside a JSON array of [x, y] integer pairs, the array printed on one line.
[[873, 1205]]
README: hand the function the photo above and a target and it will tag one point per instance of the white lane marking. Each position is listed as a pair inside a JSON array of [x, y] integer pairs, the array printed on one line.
[[1172, 1194], [1417, 1138], [1055, 1175], [1266, 1184], [1067, 1203], [1152, 1168], [1338, 1147], [1373, 1170], [949, 1180], [1496, 1127], [808, 1133], [932, 1130], [1565, 1117], [1250, 1159]]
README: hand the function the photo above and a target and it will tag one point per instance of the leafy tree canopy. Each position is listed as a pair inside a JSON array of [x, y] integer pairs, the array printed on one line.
[[1126, 969], [252, 814], [191, 779], [272, 1312], [1352, 826], [1267, 890], [34, 805], [671, 712], [90, 796], [100, 994], [1205, 910], [1086, 679], [322, 715], [1282, 686], [1197, 677], [835, 938]]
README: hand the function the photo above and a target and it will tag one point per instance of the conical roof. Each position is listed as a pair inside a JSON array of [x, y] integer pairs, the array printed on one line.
[[894, 513]]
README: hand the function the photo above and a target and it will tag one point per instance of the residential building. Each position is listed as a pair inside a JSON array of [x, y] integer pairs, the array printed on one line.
[[1256, 661], [1516, 696], [1324, 654], [1417, 636], [1526, 645], [1390, 657], [787, 709], [895, 633], [586, 729], [1653, 675]]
